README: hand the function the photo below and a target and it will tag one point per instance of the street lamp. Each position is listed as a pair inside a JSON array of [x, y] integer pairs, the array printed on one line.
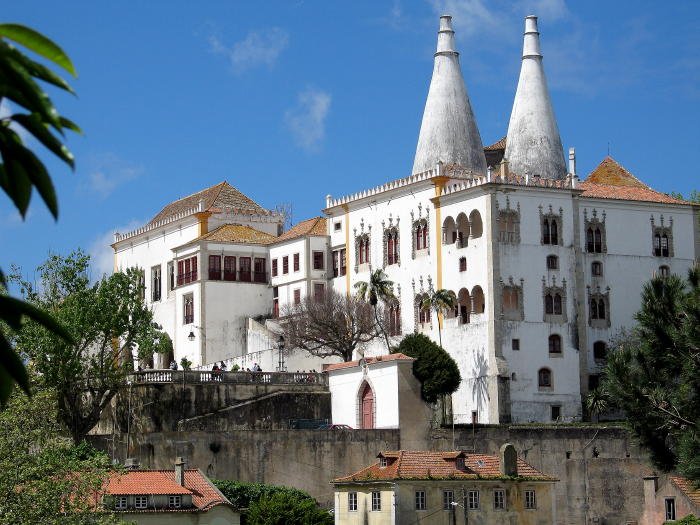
[[280, 355], [191, 336]]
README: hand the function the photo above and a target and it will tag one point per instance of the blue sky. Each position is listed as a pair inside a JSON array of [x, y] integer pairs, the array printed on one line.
[[290, 101]]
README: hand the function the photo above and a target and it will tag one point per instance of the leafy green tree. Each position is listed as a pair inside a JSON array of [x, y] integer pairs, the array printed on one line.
[[242, 494], [688, 520], [283, 508], [107, 321], [378, 289], [440, 301], [653, 373], [20, 169], [42, 475], [434, 368]]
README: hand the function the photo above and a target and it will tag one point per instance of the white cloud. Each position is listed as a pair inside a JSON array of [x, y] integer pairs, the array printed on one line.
[[470, 17], [102, 254], [259, 48], [107, 172], [307, 120]]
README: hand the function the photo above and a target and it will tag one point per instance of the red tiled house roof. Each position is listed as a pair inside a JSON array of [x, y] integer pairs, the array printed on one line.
[[147, 482], [610, 180], [425, 465], [369, 361], [315, 226], [216, 198], [688, 488], [237, 233]]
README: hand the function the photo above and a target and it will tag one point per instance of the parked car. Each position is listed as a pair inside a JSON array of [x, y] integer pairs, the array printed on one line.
[[334, 426]]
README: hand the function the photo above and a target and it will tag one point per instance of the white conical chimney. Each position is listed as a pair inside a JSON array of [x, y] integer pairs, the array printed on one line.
[[533, 143], [448, 132]]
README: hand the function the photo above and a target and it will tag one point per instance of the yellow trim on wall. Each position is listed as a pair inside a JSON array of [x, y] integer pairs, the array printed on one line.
[[346, 209], [203, 225], [439, 183]]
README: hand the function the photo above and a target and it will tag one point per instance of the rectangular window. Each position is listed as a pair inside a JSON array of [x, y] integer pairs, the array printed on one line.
[[285, 265], [530, 500], [155, 283], [376, 500], [448, 497], [670, 508], [187, 309], [229, 268], [420, 500], [473, 499], [352, 501], [120, 503], [174, 502], [515, 344], [244, 273], [214, 267], [593, 381], [319, 291], [499, 499], [274, 267], [141, 502], [319, 262], [337, 226], [556, 412], [462, 264], [297, 296], [475, 417], [296, 262], [259, 273], [171, 276], [187, 270], [343, 261]]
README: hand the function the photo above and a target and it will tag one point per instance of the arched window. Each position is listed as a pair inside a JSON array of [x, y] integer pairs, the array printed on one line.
[[462, 230], [664, 245], [366, 406], [478, 302], [394, 315], [657, 244], [597, 241], [601, 309], [464, 305], [664, 271], [557, 304], [549, 304], [475, 224], [554, 232], [391, 238], [555, 344], [546, 235], [449, 231], [363, 249], [597, 268], [600, 350], [594, 309], [552, 262], [422, 311], [544, 378], [589, 240]]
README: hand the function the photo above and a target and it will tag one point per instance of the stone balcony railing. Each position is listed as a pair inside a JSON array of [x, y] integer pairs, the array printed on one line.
[[203, 376]]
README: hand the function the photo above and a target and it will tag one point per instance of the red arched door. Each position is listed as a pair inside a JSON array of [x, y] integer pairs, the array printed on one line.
[[367, 407]]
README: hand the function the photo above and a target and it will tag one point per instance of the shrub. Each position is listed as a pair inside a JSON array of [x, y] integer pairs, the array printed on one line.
[[433, 367]]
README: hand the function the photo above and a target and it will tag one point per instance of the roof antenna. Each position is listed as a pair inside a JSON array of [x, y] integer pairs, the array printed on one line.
[[608, 148]]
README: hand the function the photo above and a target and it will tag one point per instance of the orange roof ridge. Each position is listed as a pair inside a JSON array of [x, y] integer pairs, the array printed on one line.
[[612, 173], [499, 144], [687, 487], [312, 226]]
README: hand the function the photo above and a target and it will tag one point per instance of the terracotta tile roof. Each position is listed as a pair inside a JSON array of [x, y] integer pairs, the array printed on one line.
[[237, 233], [688, 488], [405, 464], [369, 361], [500, 144], [217, 198], [145, 482], [610, 180], [315, 226]]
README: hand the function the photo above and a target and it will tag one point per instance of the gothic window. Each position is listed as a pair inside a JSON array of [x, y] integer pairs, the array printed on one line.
[[597, 269], [662, 237], [554, 303], [420, 235], [339, 265], [462, 264], [155, 283], [422, 311], [187, 309], [599, 309], [551, 226], [509, 224], [512, 301], [362, 249], [595, 233], [478, 301], [552, 262], [555, 344], [544, 378], [600, 350], [394, 319], [664, 271], [391, 246]]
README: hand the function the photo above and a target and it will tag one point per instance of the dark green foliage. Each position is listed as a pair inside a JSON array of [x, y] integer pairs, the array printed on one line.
[[434, 368], [272, 504], [688, 520], [653, 374], [21, 171]]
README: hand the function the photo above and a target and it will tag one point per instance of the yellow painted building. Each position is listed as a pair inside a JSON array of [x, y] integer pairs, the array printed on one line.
[[445, 488]]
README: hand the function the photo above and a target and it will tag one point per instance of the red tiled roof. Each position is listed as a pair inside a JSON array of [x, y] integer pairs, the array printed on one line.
[[237, 233], [369, 361], [405, 464], [217, 198], [315, 226], [610, 180], [500, 144], [688, 488], [145, 482]]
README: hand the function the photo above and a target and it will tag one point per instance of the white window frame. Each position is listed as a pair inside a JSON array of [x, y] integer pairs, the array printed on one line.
[[530, 499], [141, 502], [670, 510], [499, 499], [352, 501], [121, 503], [448, 497], [376, 500], [420, 501], [473, 500]]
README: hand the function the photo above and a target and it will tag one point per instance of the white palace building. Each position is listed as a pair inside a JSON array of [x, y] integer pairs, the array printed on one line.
[[546, 267]]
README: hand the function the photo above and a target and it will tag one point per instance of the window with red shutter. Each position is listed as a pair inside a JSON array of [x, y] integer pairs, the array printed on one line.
[[285, 265], [214, 268], [260, 275], [297, 296], [229, 268], [274, 267], [296, 262], [244, 274], [319, 290], [180, 272]]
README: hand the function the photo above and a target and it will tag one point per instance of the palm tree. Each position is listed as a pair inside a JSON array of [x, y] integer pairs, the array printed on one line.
[[439, 300], [378, 288]]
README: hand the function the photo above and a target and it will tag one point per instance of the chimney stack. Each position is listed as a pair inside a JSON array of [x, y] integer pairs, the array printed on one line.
[[572, 161], [180, 471], [508, 460]]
